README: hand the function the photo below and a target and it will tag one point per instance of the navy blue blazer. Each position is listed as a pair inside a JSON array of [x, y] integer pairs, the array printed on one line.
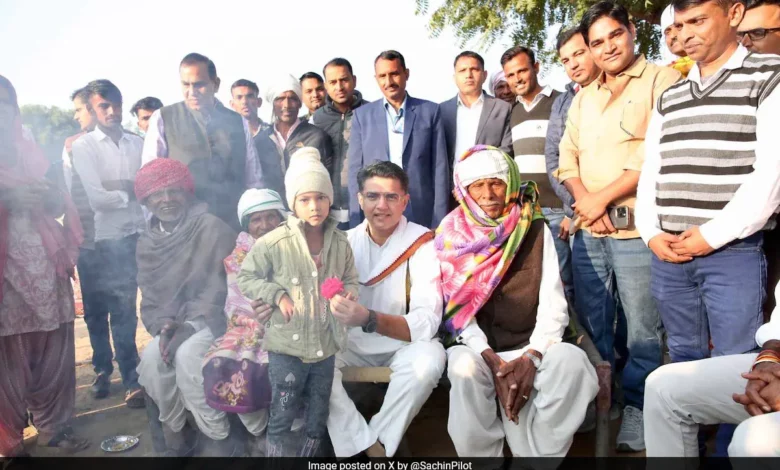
[[424, 158]]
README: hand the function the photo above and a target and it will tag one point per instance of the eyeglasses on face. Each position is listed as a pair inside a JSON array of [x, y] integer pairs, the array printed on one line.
[[755, 34]]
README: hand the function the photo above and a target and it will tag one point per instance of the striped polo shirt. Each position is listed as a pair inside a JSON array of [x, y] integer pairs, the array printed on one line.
[[529, 132]]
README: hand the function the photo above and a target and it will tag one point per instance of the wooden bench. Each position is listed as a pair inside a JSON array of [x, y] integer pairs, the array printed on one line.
[[378, 375]]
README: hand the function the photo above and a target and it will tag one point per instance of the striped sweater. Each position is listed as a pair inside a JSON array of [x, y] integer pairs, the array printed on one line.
[[529, 132], [708, 141]]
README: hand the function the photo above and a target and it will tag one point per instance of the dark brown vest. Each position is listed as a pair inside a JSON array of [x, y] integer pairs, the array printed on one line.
[[509, 316]]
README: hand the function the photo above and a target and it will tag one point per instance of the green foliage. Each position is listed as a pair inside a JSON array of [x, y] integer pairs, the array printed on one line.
[[50, 126], [526, 21]]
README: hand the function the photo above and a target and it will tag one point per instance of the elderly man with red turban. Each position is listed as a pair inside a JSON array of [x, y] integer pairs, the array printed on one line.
[[183, 291]]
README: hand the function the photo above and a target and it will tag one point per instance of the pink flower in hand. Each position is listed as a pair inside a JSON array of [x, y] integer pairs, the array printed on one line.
[[331, 287]]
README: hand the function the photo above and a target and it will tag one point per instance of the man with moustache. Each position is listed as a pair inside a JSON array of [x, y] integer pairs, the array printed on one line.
[[399, 313], [312, 93], [287, 134], [214, 142], [710, 188], [335, 118], [601, 156], [759, 31], [500, 88], [671, 34], [246, 100], [106, 161], [473, 117], [581, 69], [408, 132]]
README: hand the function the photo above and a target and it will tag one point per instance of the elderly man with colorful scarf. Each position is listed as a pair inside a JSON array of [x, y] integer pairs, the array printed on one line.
[[183, 290], [505, 314]]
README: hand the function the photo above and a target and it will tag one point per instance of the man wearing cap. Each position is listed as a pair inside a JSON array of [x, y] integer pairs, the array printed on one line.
[[213, 141], [505, 313], [288, 133], [501, 89], [183, 291], [682, 63]]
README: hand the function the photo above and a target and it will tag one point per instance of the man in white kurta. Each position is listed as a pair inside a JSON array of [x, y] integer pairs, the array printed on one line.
[[681, 397], [393, 326]]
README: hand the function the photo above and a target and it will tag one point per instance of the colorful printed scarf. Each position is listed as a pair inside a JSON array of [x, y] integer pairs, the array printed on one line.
[[475, 251]]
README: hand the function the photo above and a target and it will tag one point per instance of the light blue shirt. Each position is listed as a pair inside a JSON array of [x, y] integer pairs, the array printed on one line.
[[395, 130]]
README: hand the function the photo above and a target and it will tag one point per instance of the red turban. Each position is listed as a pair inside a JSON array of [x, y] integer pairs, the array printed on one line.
[[162, 173]]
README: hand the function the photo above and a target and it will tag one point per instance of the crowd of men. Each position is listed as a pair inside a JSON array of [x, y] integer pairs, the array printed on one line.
[[658, 185]]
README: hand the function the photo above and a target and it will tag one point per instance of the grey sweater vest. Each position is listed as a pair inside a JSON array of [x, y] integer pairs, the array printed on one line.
[[706, 156]]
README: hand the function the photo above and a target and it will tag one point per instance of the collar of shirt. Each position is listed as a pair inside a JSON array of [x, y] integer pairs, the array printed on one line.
[[734, 62], [632, 71], [281, 140], [100, 135], [391, 111], [477, 103], [546, 92]]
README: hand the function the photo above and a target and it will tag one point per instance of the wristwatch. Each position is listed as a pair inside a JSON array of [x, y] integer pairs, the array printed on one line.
[[534, 358], [370, 326]]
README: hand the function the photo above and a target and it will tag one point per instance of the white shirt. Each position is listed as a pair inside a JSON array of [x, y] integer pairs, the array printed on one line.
[[395, 131], [389, 295], [771, 330], [467, 125], [552, 314], [755, 200], [97, 159], [155, 146], [546, 92]]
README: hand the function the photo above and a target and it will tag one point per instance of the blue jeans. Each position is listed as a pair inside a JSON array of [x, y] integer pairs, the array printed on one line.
[[108, 284], [610, 274], [293, 384], [719, 296], [563, 249]]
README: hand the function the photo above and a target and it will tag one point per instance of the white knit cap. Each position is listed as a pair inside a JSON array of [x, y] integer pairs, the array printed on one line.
[[482, 165], [305, 174], [282, 84], [667, 18], [495, 79], [260, 200]]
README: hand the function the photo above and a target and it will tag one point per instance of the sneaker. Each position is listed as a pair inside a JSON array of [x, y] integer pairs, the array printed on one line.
[[134, 398], [101, 386], [631, 437]]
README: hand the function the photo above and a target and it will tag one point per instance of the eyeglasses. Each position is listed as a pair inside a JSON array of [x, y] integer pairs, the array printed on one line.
[[756, 34], [390, 198]]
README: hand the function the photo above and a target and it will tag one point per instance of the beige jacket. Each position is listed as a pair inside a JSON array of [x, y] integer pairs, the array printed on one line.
[[279, 263]]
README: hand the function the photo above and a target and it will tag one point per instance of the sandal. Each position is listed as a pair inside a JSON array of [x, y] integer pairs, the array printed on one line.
[[65, 442]]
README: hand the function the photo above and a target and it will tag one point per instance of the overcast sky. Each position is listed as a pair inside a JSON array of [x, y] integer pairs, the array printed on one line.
[[51, 47]]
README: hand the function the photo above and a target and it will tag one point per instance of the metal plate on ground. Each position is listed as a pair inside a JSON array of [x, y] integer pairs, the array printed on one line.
[[119, 443]]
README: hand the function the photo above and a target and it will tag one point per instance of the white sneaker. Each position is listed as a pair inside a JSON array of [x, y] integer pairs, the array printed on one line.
[[631, 437]]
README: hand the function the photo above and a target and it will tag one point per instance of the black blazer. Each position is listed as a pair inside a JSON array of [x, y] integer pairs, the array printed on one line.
[[493, 129]]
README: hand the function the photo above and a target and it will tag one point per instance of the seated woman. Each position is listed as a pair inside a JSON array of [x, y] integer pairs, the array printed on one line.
[[506, 314], [183, 290], [235, 369]]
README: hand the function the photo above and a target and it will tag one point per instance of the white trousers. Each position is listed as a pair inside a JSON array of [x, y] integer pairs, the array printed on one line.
[[680, 397], [417, 368], [180, 387], [563, 387]]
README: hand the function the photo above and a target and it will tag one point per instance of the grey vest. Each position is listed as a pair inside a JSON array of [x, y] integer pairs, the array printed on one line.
[[214, 149], [705, 157]]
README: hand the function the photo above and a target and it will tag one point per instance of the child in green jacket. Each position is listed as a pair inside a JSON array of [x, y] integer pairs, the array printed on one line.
[[286, 269]]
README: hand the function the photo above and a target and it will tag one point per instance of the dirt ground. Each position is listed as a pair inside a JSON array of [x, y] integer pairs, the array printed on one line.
[[100, 419]]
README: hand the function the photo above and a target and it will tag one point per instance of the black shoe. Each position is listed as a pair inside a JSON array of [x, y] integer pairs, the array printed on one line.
[[134, 398], [101, 386]]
